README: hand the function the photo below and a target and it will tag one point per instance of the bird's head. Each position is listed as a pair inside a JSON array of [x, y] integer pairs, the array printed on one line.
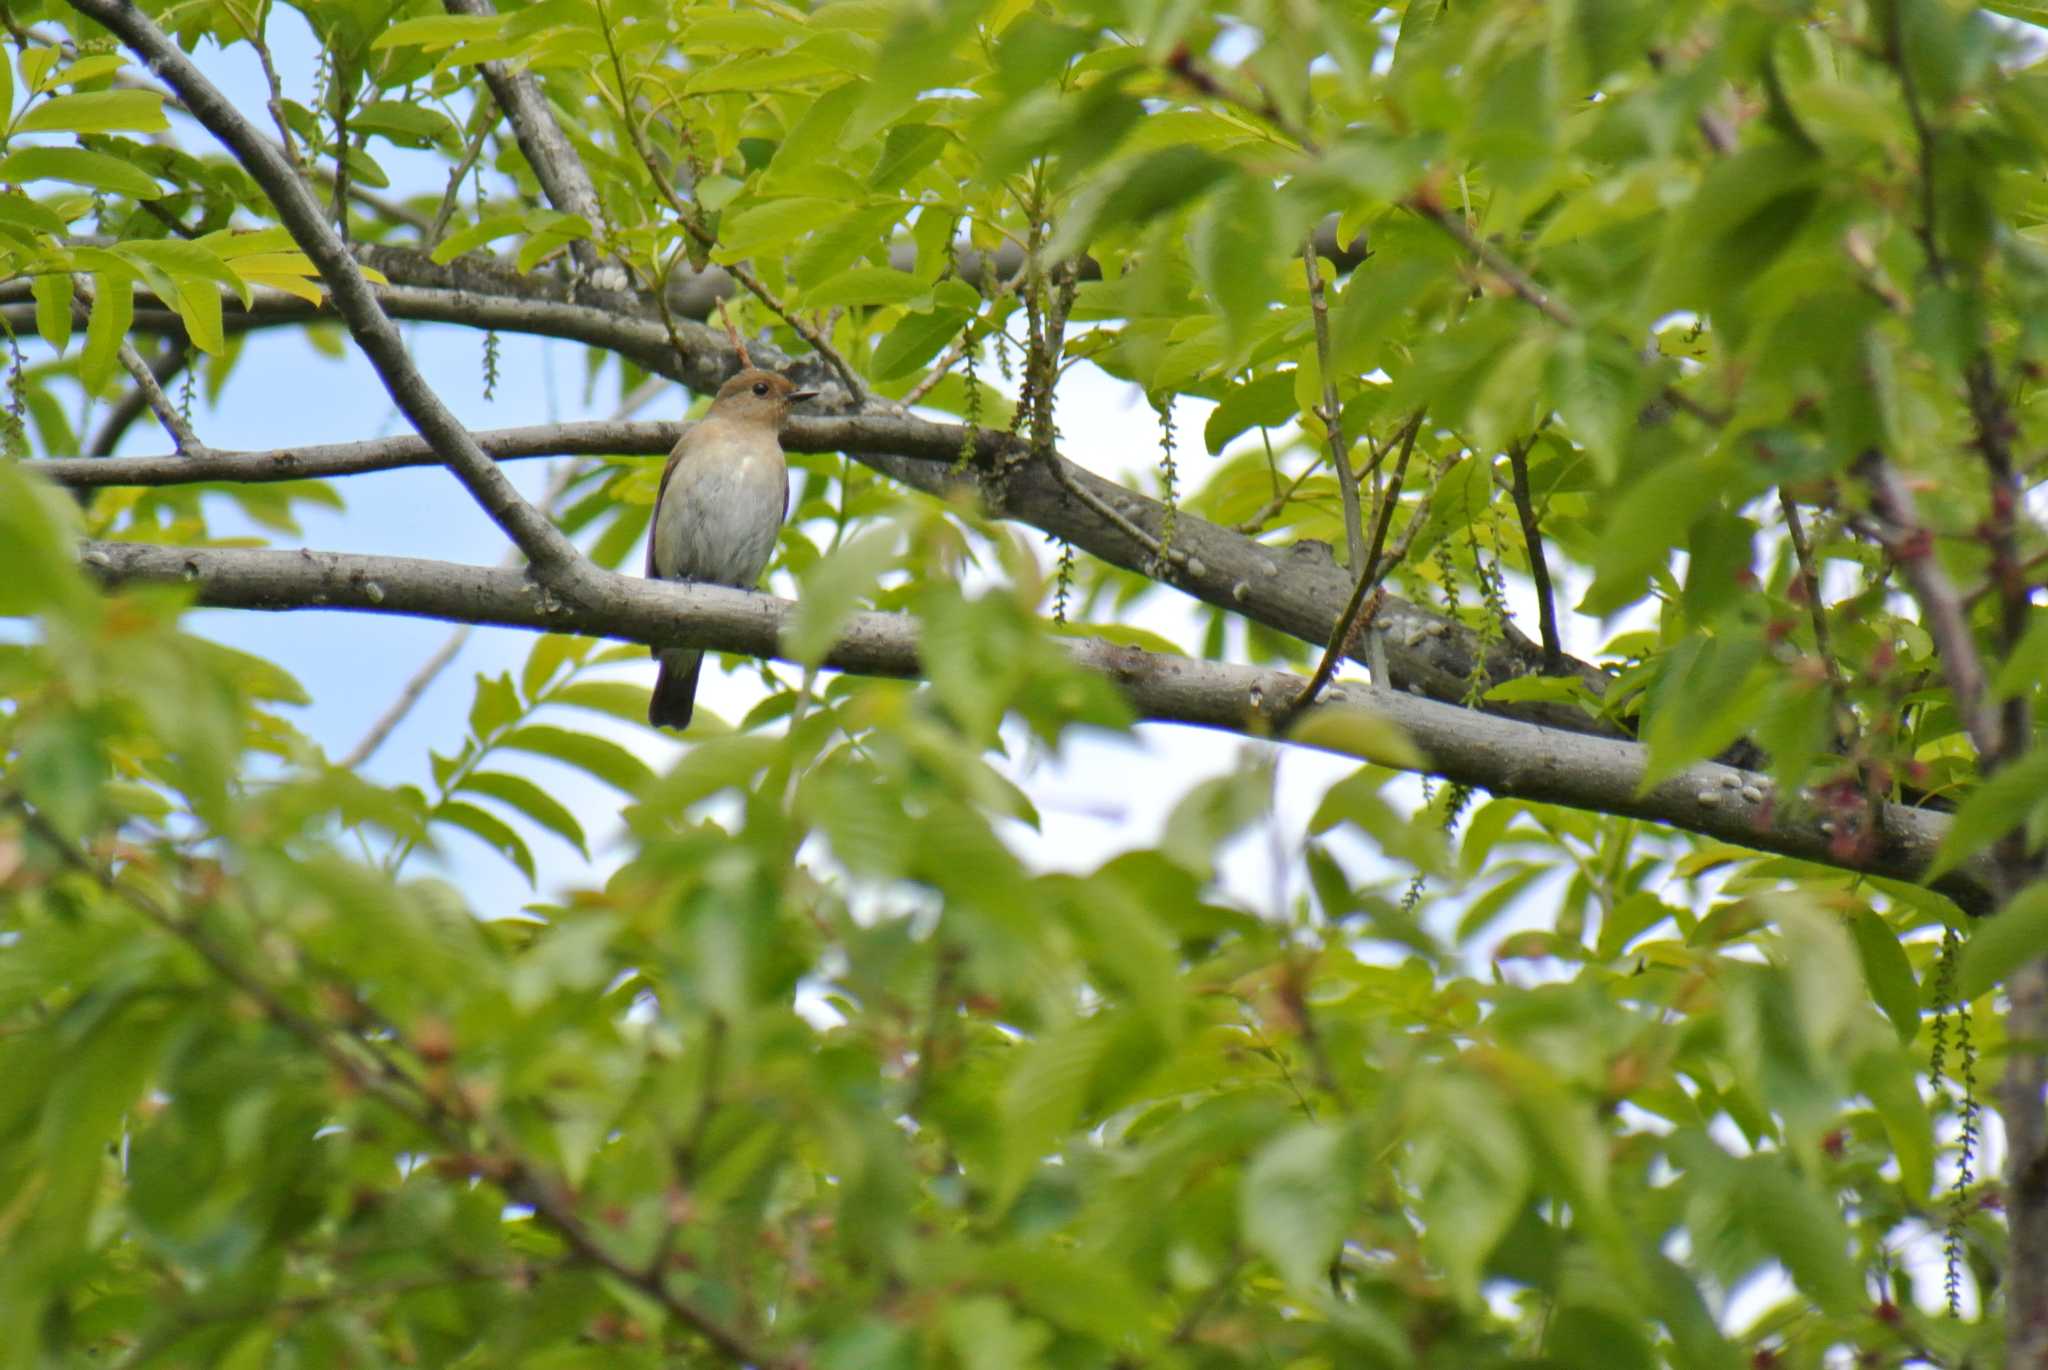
[[757, 396]]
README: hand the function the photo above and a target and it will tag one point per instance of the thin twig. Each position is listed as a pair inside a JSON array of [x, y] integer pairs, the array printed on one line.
[[1539, 567], [182, 437], [1493, 259], [692, 222], [1369, 576], [444, 210], [1809, 582], [373, 1072], [1281, 498], [175, 356], [1331, 415]]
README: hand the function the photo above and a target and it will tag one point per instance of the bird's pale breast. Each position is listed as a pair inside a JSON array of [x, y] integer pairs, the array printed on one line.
[[722, 507]]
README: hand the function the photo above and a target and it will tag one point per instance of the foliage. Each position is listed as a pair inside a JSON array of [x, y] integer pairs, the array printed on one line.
[[823, 1073]]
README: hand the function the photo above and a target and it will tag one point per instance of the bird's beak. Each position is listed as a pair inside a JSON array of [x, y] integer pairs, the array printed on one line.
[[799, 396]]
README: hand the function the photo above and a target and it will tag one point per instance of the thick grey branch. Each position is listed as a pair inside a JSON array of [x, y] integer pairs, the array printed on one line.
[[1297, 590], [1520, 760]]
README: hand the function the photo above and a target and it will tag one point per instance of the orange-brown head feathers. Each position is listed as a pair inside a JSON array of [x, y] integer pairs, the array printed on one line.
[[757, 396]]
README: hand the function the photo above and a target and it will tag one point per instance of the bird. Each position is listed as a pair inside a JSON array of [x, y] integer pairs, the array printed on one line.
[[722, 500]]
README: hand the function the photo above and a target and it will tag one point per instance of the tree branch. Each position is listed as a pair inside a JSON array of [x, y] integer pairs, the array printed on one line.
[[553, 555], [1539, 565], [1518, 760], [1297, 590], [563, 177]]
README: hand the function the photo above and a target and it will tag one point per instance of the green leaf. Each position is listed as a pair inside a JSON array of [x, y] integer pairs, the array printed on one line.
[[53, 308], [1136, 192], [524, 795], [1234, 244], [79, 167], [834, 587], [494, 705], [495, 832], [1993, 809], [1358, 731], [1887, 1079], [487, 229], [865, 285], [2000, 944], [763, 227], [916, 340], [408, 125], [113, 309], [1263, 402], [597, 756], [440, 31], [551, 652], [1297, 1200], [621, 699], [97, 111], [1888, 973]]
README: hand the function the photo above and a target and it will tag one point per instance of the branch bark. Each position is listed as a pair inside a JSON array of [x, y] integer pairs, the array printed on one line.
[[553, 555], [1519, 760]]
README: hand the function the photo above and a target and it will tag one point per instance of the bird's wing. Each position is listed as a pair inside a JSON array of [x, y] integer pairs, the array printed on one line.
[[654, 519]]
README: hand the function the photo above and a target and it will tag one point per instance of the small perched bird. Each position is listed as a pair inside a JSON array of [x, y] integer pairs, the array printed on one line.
[[723, 496]]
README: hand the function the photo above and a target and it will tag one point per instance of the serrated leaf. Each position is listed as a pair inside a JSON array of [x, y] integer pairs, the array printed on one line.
[[865, 285], [1992, 810], [440, 31], [1358, 731], [113, 309], [488, 229], [597, 756], [1888, 973], [2001, 943], [1295, 1203], [622, 699], [916, 340], [519, 793], [53, 308], [832, 589], [494, 705], [79, 167], [496, 833], [97, 111]]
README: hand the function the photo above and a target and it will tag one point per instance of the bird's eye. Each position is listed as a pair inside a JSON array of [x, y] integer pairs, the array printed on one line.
[[760, 387]]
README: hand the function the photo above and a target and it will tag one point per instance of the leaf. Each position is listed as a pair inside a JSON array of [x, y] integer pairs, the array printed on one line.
[[2001, 943], [53, 308], [763, 227], [485, 230], [1888, 973], [1135, 192], [1263, 402], [440, 31], [597, 756], [1233, 242], [97, 111], [865, 285], [916, 340], [1359, 732], [494, 705], [496, 833], [621, 699], [79, 167], [1296, 1202], [1993, 809], [113, 309], [833, 587], [530, 799]]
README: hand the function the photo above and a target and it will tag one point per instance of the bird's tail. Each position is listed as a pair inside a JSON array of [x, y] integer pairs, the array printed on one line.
[[675, 690]]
